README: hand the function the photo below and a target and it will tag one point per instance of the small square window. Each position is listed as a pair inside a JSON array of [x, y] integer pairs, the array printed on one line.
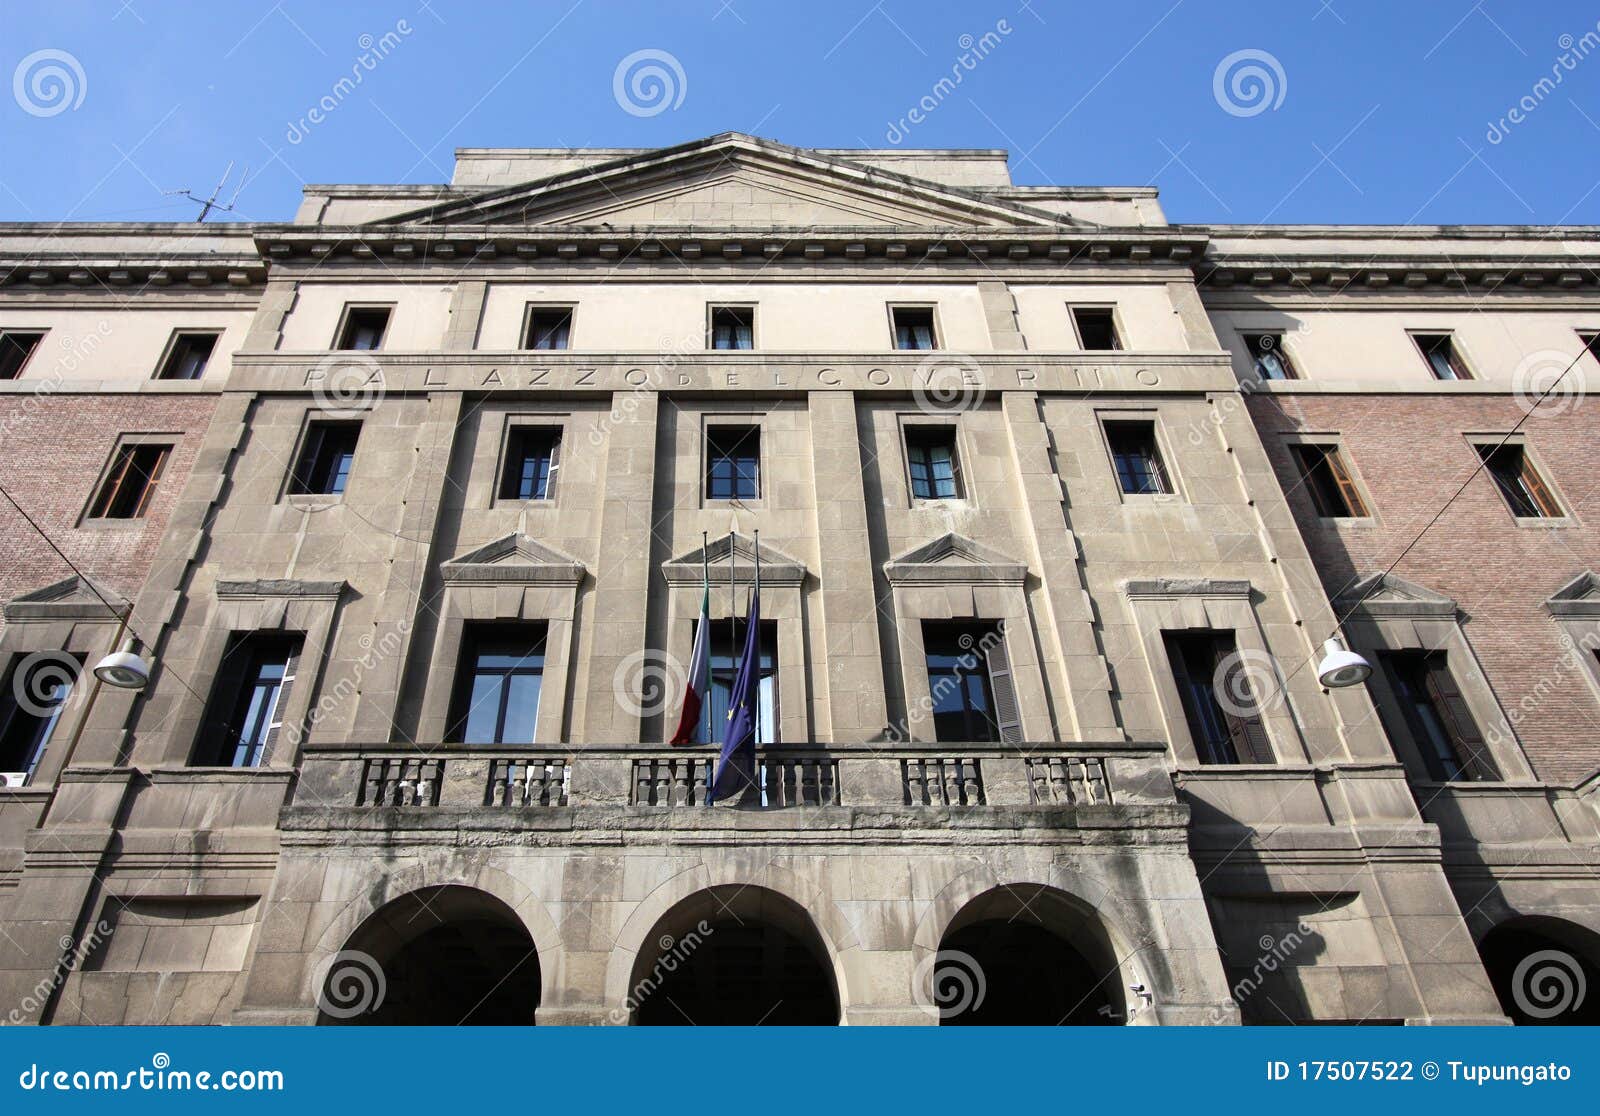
[[1270, 358], [130, 484], [1328, 481], [1096, 326], [549, 327], [364, 327], [931, 459], [733, 327], [1137, 458], [1523, 489], [1444, 360], [531, 463], [733, 462], [187, 356], [16, 348], [913, 327], [326, 456]]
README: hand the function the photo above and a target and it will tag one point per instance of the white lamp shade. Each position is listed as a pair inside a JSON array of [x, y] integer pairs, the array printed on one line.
[[1340, 667], [124, 670]]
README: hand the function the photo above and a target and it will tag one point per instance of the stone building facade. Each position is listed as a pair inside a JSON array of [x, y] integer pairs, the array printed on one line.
[[410, 503]]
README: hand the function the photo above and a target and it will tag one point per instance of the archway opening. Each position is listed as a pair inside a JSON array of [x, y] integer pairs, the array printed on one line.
[[734, 957], [439, 956], [1024, 956], [1545, 971]]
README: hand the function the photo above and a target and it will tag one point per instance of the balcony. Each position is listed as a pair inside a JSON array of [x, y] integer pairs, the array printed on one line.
[[909, 786]]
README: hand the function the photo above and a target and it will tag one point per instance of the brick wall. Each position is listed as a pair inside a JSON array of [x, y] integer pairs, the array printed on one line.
[[53, 450], [1410, 454]]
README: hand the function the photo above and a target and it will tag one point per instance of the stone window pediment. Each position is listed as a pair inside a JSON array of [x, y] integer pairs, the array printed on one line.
[[515, 560], [74, 598], [1577, 599], [1387, 597], [737, 553], [954, 559]]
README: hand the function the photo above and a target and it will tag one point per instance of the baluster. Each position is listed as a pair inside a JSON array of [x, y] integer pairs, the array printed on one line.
[[828, 789], [1100, 782], [810, 783], [910, 779], [1060, 780], [971, 785]]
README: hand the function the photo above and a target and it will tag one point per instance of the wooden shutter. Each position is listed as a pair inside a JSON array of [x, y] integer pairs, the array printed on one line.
[[275, 717], [149, 492], [555, 463], [1471, 751], [1354, 505], [1006, 714], [1250, 741], [1537, 490]]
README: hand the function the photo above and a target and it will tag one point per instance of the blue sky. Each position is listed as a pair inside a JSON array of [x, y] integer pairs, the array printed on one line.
[[1374, 112]]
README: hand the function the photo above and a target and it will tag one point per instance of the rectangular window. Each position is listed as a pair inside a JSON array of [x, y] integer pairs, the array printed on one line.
[[247, 701], [1328, 482], [364, 327], [187, 356], [1269, 356], [131, 483], [733, 327], [1441, 726], [1218, 704], [498, 683], [1519, 482], [969, 682], [16, 347], [913, 327], [931, 457], [1096, 326], [726, 645], [1137, 458], [549, 327], [530, 467], [733, 462], [26, 727], [325, 459], [1444, 361]]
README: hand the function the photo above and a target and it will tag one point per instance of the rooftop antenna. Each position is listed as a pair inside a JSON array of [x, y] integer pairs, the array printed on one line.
[[208, 204]]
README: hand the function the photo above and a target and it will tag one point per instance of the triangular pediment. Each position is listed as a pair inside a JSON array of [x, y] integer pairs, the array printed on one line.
[[1578, 597], [733, 557], [728, 182], [954, 558], [73, 598], [513, 559], [1389, 595]]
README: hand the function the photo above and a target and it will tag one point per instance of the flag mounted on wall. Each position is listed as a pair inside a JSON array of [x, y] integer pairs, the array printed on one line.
[[736, 766], [699, 683]]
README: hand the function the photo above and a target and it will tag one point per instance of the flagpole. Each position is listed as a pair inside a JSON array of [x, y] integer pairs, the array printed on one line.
[[733, 613], [705, 588], [757, 545]]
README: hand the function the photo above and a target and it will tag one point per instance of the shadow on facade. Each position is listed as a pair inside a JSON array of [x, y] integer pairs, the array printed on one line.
[[734, 956], [439, 956], [1026, 955], [1545, 971]]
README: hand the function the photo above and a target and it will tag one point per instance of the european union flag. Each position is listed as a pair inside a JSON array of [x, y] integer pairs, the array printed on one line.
[[736, 767]]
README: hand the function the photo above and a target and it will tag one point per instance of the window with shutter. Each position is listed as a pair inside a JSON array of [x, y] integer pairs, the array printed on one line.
[[1523, 489], [1327, 481], [1440, 724], [1223, 732], [970, 683], [244, 717], [1008, 718]]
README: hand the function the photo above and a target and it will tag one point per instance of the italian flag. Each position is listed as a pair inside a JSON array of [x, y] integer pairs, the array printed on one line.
[[694, 693]]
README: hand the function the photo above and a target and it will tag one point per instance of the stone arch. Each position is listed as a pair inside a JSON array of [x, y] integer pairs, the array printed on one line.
[[833, 929], [1544, 970], [529, 910]]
